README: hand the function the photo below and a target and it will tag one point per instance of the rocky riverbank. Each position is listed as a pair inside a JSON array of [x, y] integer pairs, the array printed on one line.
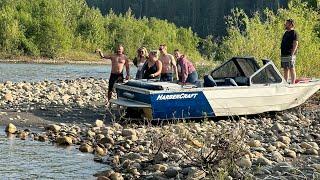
[[281, 146]]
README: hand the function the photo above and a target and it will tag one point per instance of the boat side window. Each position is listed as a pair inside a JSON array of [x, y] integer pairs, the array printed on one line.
[[268, 75], [228, 70]]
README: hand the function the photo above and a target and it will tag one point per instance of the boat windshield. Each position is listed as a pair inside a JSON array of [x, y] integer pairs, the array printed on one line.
[[267, 75]]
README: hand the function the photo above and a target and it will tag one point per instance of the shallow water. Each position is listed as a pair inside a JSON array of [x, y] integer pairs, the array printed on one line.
[[39, 72], [27, 159]]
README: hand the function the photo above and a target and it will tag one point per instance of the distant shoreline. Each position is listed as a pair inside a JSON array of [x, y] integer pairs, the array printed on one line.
[[54, 61]]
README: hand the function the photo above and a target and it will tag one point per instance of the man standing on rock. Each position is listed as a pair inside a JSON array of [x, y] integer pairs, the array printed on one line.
[[118, 61], [289, 46], [169, 65]]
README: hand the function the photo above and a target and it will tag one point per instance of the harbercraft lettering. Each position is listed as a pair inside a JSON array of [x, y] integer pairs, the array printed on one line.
[[176, 96]]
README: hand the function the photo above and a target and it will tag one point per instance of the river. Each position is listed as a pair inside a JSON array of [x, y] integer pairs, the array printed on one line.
[[39, 72]]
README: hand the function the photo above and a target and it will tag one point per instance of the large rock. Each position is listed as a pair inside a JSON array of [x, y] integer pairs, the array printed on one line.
[[244, 162], [64, 141], [290, 153], [8, 97], [254, 143], [53, 127], [129, 132], [263, 161], [99, 123], [277, 156], [11, 128], [171, 172], [285, 139], [306, 145], [116, 176], [86, 148]]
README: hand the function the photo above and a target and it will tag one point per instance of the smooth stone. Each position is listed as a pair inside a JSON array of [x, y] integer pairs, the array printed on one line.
[[65, 140], [263, 161], [314, 145], [100, 151], [171, 172], [244, 162], [290, 153], [311, 152], [129, 132], [279, 144], [160, 167], [11, 128], [285, 139], [271, 148], [86, 148], [53, 127], [106, 140], [99, 123], [254, 143], [277, 156], [305, 145], [8, 97], [116, 176]]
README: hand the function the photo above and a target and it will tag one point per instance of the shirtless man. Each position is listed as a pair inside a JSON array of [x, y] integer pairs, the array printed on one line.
[[169, 65], [118, 60]]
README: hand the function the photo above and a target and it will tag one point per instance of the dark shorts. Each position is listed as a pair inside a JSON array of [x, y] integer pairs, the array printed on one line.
[[288, 62], [192, 78], [166, 77], [114, 78]]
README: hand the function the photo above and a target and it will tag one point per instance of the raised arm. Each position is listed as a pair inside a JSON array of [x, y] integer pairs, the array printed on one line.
[[101, 54], [127, 68]]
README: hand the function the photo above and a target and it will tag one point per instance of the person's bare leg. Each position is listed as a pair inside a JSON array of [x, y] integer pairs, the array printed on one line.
[[293, 75], [286, 74]]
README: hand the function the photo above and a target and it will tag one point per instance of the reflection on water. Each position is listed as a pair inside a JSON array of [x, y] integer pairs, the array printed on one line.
[[40, 72], [41, 160]]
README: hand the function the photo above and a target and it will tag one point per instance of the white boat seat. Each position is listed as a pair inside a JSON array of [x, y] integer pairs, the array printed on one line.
[[208, 81], [230, 82]]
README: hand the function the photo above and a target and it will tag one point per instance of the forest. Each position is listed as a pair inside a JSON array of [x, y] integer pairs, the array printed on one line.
[[72, 29]]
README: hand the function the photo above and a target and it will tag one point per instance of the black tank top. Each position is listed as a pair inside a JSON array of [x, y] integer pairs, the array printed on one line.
[[147, 71]]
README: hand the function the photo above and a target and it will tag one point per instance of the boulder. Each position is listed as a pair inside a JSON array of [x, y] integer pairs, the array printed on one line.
[[64, 141], [86, 148], [11, 128]]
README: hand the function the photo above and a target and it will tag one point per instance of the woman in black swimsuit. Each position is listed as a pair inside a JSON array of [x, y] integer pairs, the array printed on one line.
[[152, 67]]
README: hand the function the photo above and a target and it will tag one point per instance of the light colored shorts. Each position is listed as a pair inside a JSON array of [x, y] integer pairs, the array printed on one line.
[[288, 62]]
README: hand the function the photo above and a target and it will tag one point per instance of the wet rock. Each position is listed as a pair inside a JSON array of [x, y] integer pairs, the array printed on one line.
[[106, 140], [53, 127], [86, 148], [11, 128], [23, 135], [42, 138], [100, 151], [285, 139], [103, 178], [64, 141], [116, 176], [106, 173]]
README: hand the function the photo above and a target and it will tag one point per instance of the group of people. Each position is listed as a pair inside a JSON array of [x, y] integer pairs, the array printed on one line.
[[156, 64], [159, 64]]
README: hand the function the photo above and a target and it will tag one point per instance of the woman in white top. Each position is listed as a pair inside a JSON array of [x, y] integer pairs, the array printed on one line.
[[142, 56]]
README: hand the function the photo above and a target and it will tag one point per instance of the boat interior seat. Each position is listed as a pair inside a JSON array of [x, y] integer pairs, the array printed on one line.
[[242, 81], [230, 82], [208, 81]]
